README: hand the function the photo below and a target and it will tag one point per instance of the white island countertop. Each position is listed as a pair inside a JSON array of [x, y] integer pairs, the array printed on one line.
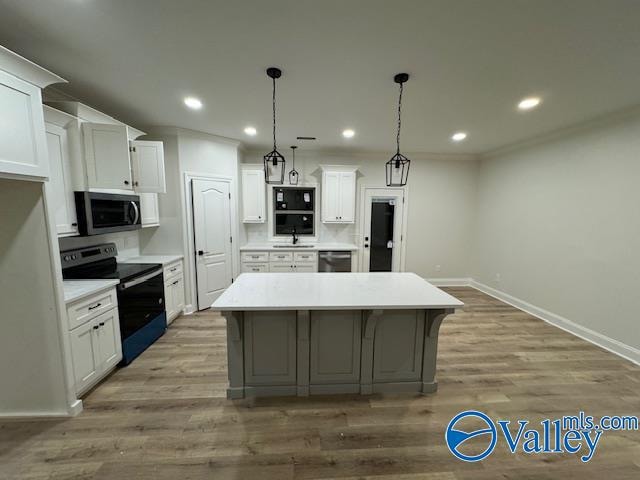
[[163, 259], [313, 247], [76, 289], [332, 291]]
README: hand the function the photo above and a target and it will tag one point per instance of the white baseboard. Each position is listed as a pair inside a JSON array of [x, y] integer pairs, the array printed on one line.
[[614, 346], [75, 408], [449, 282], [28, 415]]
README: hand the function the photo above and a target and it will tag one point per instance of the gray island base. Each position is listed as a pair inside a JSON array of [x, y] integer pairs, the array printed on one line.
[[328, 333]]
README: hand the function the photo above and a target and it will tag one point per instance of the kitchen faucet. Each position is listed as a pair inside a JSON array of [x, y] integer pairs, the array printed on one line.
[[295, 237]]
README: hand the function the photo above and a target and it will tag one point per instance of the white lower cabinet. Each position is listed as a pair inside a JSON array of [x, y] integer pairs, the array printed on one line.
[[96, 346], [174, 298], [287, 261]]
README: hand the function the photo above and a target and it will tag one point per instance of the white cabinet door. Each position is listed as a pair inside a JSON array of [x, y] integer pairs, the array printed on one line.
[[106, 153], [149, 211], [281, 268], [85, 354], [254, 268], [305, 268], [147, 164], [23, 147], [62, 200], [331, 197], [178, 294], [253, 195], [347, 197], [169, 305], [109, 341]]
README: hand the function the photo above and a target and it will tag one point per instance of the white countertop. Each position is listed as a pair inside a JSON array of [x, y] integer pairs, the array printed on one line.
[[163, 259], [76, 289], [332, 291], [316, 247]]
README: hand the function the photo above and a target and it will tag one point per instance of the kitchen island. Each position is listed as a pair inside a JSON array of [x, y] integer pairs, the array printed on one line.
[[325, 333]]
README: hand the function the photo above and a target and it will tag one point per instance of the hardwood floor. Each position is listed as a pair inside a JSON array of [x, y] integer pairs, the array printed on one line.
[[166, 416]]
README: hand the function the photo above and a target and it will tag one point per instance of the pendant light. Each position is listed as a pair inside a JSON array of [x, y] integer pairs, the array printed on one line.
[[293, 174], [274, 162], [397, 168]]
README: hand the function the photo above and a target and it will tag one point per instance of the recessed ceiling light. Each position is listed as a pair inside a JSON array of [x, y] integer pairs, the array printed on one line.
[[458, 136], [348, 133], [193, 103], [250, 131], [529, 103]]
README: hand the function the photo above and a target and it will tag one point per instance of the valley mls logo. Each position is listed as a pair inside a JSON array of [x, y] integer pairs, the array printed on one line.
[[472, 436], [457, 438]]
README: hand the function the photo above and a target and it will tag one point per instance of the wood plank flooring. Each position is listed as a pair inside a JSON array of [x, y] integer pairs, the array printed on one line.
[[166, 416]]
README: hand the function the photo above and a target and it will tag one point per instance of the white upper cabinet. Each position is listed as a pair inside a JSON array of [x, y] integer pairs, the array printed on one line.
[[106, 154], [62, 202], [23, 144], [253, 194], [338, 194], [149, 211], [147, 164]]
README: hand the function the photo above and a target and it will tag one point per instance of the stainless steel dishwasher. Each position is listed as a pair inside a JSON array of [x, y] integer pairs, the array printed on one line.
[[331, 261]]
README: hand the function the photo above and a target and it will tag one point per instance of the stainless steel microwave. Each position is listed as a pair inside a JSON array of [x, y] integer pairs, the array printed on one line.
[[100, 213]]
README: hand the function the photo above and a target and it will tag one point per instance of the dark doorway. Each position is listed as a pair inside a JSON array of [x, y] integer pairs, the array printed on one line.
[[382, 219]]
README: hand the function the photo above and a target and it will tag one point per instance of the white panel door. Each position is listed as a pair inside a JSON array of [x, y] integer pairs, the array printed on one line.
[[106, 151], [331, 197], [109, 342], [253, 196], [62, 201], [84, 353], [23, 148], [281, 268], [212, 231], [147, 163], [305, 268], [347, 197]]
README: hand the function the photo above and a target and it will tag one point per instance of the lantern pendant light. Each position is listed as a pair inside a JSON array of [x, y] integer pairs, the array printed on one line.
[[293, 174], [274, 162], [397, 168]]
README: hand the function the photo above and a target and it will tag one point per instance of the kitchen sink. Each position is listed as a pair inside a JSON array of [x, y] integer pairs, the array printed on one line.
[[293, 246]]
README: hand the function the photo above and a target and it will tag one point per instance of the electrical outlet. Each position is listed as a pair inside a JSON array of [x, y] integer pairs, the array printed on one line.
[[438, 268], [497, 277]]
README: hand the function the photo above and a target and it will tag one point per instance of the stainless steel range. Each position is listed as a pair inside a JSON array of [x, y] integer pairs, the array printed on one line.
[[141, 303]]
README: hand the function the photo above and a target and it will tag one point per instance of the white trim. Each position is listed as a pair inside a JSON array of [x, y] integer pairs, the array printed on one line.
[[31, 415], [614, 346], [403, 192], [450, 282]]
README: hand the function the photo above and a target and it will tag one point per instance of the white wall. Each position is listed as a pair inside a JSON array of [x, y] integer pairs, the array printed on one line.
[[441, 196], [560, 223], [188, 152], [33, 383]]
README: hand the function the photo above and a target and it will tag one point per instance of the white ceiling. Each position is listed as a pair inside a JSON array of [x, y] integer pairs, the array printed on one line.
[[470, 62]]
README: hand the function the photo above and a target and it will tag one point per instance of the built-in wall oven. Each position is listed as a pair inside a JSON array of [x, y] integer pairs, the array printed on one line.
[[107, 212], [294, 210]]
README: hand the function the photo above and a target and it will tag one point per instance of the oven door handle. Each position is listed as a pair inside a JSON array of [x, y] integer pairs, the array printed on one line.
[[137, 212], [138, 281]]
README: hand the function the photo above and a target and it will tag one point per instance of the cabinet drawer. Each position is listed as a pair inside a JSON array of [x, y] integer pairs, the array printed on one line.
[[84, 310], [281, 256], [255, 256], [307, 257], [172, 270], [255, 267]]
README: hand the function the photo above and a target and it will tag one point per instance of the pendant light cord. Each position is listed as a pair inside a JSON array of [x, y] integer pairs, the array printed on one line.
[[399, 118], [274, 113]]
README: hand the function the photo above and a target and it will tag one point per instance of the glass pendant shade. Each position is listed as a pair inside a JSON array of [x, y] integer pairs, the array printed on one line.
[[397, 170], [293, 174], [274, 165]]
